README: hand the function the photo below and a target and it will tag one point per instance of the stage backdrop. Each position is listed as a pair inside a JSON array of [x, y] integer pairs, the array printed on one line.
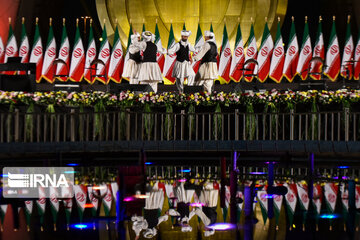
[[191, 12], [8, 9]]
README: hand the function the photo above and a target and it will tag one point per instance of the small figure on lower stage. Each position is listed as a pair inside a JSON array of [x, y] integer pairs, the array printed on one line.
[[208, 71], [182, 67], [150, 72], [132, 66]]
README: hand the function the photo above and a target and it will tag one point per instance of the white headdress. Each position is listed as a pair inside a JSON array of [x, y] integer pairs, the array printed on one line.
[[185, 33], [147, 36], [209, 34], [135, 37]]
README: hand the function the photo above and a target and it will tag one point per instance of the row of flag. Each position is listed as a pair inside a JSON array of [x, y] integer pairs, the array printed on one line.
[[273, 61], [84, 196], [276, 62]]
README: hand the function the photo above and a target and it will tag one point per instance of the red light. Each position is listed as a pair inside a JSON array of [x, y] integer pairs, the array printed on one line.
[[88, 205]]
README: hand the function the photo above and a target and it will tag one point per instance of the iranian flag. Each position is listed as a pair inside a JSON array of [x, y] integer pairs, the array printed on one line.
[[104, 55], [305, 54], [160, 58], [2, 51], [333, 55], [50, 54], [93, 200], [319, 51], [116, 60], [28, 211], [263, 200], [344, 193], [291, 200], [170, 59], [80, 192], [24, 44], [346, 66], [115, 189], [238, 57], [317, 201], [330, 192], [251, 53], [356, 58], [41, 204], [77, 57], [302, 190], [107, 200], [90, 56], [265, 52], [24, 48], [292, 55], [64, 54], [278, 200], [278, 57], [36, 55], [199, 42], [225, 59], [67, 192], [127, 54], [54, 202], [11, 47], [3, 210]]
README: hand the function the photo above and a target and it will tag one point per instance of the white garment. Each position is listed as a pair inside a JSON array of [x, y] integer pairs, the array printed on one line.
[[138, 226], [182, 69], [131, 71], [150, 71], [206, 83], [154, 200]]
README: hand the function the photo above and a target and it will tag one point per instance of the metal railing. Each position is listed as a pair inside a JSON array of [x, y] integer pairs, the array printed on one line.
[[160, 126]]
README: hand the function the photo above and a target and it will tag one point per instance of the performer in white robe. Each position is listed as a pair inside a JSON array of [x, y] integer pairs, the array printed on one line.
[[182, 68], [208, 71], [150, 72], [132, 66]]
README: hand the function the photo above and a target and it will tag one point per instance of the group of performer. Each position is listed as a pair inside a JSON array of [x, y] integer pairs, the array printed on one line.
[[142, 66]]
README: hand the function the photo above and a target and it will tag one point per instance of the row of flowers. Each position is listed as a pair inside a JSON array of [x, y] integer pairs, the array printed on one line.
[[88, 99]]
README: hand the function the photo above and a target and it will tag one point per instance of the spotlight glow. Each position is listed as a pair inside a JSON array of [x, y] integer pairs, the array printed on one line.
[[328, 216], [72, 164], [197, 204], [343, 167], [258, 173], [80, 226], [185, 170], [148, 163], [222, 226]]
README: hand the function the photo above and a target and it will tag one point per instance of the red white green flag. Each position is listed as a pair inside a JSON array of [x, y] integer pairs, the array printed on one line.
[[170, 59], [238, 57], [36, 55], [28, 211], [80, 197], [50, 54], [305, 54], [90, 56], [24, 49], [278, 199], [291, 200], [357, 196], [302, 190], [357, 59], [68, 203], [54, 203], [2, 51], [317, 198], [116, 60], [292, 54], [263, 200], [199, 42], [11, 46], [93, 200], [127, 54], [265, 52], [251, 53], [278, 57], [319, 51], [104, 55], [107, 200], [3, 210], [41, 204], [64, 54], [333, 55], [330, 192], [346, 65], [225, 59], [160, 58], [77, 57]]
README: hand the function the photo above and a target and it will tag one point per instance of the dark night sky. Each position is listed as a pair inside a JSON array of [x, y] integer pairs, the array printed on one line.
[[72, 9]]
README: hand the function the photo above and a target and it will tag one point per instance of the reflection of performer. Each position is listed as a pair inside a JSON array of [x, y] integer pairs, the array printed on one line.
[[208, 66], [150, 220], [182, 67], [131, 68], [150, 72]]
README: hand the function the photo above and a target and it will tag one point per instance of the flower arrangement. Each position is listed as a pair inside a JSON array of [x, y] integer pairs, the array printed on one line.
[[129, 99]]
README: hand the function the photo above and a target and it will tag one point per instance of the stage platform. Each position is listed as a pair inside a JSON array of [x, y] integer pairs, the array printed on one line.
[[231, 87]]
